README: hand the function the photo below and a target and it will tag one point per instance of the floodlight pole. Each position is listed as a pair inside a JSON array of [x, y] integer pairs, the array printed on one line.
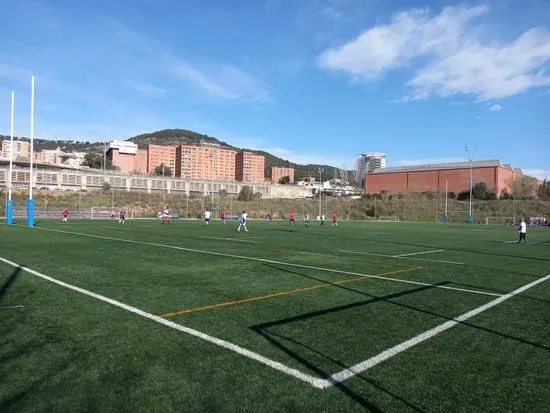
[[470, 217], [446, 203], [9, 207], [320, 188]]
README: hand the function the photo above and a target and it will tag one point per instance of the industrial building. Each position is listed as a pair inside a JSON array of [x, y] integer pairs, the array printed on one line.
[[433, 178]]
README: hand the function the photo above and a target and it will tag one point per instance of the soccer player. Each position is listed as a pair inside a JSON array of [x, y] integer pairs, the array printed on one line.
[[522, 231], [323, 220], [334, 222], [292, 218], [242, 221], [207, 216], [166, 216], [65, 214], [122, 217], [222, 216], [306, 219], [269, 217], [113, 214]]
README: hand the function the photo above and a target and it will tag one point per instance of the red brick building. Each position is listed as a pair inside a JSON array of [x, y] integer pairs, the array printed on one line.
[[249, 167], [279, 172], [431, 178]]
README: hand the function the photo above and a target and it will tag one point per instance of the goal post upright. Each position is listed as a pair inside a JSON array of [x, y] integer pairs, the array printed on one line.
[[9, 205], [30, 201]]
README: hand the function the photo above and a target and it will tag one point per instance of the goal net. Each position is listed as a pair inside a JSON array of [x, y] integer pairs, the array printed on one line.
[[388, 219]]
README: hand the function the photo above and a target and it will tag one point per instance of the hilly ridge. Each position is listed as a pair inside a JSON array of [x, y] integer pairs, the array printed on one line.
[[186, 137]]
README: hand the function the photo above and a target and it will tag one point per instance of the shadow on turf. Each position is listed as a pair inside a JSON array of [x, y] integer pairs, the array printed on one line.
[[381, 241], [261, 328], [6, 286]]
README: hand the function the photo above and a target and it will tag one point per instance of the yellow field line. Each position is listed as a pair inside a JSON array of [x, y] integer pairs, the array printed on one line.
[[281, 293]]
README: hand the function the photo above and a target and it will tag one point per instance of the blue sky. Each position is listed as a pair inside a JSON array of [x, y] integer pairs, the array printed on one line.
[[308, 80]]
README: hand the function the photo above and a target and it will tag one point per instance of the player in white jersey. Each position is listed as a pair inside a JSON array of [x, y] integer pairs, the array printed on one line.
[[306, 219], [522, 231], [207, 216], [242, 221]]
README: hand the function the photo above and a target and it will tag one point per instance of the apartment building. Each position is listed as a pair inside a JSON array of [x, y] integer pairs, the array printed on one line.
[[205, 162], [249, 167], [277, 173], [159, 154], [21, 150]]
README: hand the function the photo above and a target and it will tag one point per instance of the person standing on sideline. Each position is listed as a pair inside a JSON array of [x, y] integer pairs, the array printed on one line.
[[323, 220], [242, 221], [122, 216], [65, 214], [522, 231], [207, 216]]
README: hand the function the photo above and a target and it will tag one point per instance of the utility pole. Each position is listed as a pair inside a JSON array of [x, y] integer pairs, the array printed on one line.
[[470, 216], [320, 188]]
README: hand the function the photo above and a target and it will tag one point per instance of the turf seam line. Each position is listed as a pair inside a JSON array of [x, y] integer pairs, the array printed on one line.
[[278, 294], [312, 380], [220, 254], [385, 355]]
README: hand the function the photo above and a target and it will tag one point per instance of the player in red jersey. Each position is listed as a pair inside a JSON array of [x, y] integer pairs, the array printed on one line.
[[65, 214], [222, 216], [334, 222], [122, 216], [292, 218]]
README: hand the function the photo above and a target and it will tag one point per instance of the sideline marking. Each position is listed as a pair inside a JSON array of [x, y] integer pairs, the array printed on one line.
[[314, 381], [385, 355], [416, 253], [400, 257], [280, 293], [243, 257]]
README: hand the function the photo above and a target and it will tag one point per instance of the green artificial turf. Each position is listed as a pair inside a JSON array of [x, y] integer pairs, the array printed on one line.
[[292, 294]]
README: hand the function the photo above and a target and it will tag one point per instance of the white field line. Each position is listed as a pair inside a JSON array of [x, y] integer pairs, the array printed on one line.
[[417, 253], [401, 257], [242, 257], [385, 355], [314, 381], [508, 242], [228, 239], [11, 306]]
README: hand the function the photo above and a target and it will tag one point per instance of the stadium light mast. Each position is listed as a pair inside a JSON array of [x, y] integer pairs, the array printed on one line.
[[470, 216], [320, 188], [9, 206]]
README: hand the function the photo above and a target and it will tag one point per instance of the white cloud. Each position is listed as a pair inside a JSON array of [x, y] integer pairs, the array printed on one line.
[[456, 59], [495, 108]]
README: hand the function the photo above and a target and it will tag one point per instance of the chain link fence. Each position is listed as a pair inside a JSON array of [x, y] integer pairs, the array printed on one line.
[[403, 207]]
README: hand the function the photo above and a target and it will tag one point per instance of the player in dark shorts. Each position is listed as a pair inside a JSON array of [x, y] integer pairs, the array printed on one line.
[[122, 216]]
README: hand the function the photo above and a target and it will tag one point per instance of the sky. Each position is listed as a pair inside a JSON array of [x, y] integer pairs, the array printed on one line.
[[311, 81]]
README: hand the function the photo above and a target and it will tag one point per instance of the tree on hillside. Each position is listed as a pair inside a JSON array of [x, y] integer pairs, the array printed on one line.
[[93, 160], [284, 180], [523, 187], [163, 170], [543, 191]]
